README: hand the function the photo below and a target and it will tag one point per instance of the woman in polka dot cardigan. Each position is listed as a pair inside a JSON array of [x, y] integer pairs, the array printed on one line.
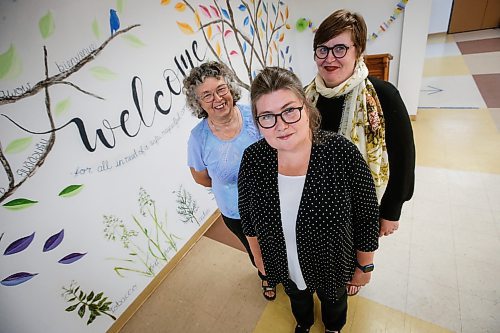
[[307, 203]]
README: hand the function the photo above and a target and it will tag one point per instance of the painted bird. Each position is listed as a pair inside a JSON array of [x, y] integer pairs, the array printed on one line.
[[114, 21]]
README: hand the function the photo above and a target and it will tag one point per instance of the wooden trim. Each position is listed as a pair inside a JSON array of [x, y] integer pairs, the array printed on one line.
[[158, 279], [413, 117], [378, 65]]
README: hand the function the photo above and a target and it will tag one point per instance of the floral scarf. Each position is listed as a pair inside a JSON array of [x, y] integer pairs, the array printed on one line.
[[362, 119]]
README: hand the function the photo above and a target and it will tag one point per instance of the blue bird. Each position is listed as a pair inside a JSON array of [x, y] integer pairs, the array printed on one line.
[[114, 21]]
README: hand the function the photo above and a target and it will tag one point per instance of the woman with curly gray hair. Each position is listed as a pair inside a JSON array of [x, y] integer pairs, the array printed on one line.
[[217, 142]]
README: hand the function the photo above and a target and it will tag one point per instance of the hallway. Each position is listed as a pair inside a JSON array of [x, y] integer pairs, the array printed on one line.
[[438, 273]]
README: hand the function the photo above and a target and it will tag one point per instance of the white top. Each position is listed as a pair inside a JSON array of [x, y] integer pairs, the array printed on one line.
[[290, 191]]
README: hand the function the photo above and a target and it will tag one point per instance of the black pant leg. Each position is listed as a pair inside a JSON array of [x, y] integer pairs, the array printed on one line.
[[235, 226], [302, 304], [334, 313]]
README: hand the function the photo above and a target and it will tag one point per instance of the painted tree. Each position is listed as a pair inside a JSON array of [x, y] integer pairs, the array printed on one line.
[[7, 63], [253, 33]]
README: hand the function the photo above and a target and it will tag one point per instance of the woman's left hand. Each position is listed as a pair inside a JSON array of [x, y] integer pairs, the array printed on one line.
[[359, 278], [387, 227]]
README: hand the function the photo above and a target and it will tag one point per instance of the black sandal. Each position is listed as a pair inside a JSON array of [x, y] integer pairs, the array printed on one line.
[[267, 289]]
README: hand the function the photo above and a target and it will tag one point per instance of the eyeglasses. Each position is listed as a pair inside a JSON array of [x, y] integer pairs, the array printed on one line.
[[289, 116], [208, 97], [338, 51]]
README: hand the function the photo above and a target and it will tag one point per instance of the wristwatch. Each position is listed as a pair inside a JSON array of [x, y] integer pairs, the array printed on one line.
[[365, 268]]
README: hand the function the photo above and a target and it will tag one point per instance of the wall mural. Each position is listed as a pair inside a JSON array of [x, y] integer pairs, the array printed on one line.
[[95, 193], [75, 165]]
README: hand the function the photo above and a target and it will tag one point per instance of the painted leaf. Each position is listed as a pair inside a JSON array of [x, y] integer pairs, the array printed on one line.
[[180, 6], [81, 311], [71, 258], [164, 2], [262, 24], [95, 29], [62, 106], [287, 49], [133, 40], [197, 19], [18, 145], [19, 245], [53, 241], [218, 49], [227, 32], [274, 9], [282, 37], [215, 11], [246, 20], [259, 13], [281, 17], [244, 47], [290, 59], [6, 61], [119, 6], [71, 307], [70, 190], [185, 28], [18, 204], [46, 25], [242, 8], [209, 32], [233, 52], [103, 73], [271, 25], [225, 13], [18, 278], [251, 31], [286, 12], [282, 55], [288, 26], [265, 7], [205, 11]]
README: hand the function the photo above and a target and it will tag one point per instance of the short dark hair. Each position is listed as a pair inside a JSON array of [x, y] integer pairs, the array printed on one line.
[[197, 76], [272, 79], [338, 22]]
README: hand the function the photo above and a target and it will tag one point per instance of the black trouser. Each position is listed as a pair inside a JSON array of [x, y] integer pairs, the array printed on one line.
[[333, 313], [236, 228]]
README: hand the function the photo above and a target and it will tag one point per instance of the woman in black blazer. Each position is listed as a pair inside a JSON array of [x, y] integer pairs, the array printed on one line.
[[307, 202]]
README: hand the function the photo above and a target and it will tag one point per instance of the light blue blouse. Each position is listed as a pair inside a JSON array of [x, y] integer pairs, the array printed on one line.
[[222, 159]]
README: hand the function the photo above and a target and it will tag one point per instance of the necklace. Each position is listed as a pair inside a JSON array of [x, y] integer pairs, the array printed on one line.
[[228, 129]]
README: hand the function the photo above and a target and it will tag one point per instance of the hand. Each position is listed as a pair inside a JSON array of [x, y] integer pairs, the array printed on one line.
[[359, 278], [387, 227]]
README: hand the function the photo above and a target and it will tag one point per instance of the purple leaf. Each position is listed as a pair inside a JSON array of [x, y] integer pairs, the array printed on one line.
[[70, 258], [17, 278], [53, 241], [19, 245]]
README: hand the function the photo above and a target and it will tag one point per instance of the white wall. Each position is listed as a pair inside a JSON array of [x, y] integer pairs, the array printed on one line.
[[440, 16], [413, 46]]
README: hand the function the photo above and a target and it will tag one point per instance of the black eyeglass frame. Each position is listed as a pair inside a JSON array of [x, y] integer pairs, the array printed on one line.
[[276, 115], [330, 49]]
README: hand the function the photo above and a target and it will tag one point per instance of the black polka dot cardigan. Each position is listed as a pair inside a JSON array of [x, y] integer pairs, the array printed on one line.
[[338, 212]]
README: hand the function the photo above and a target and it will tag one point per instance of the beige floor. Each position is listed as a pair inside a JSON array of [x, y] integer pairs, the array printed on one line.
[[439, 273]]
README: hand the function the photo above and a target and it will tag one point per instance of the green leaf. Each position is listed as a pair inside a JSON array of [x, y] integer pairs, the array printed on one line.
[[90, 296], [119, 6], [98, 297], [81, 311], [71, 308], [91, 318], [10, 64], [95, 29], [70, 191], [133, 40], [18, 204], [46, 25], [18, 145], [81, 296], [102, 73], [62, 106]]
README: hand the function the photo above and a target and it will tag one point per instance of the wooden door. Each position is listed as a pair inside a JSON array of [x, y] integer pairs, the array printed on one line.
[[470, 15]]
